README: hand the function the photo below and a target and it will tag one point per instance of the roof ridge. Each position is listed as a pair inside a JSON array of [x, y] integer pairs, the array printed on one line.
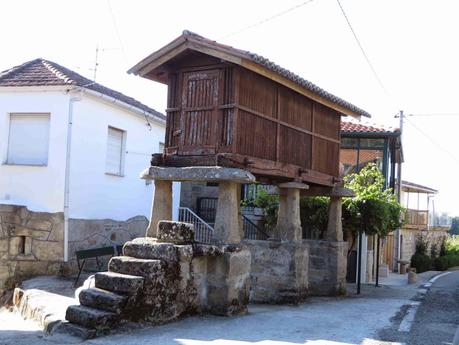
[[14, 69], [57, 72], [63, 76]]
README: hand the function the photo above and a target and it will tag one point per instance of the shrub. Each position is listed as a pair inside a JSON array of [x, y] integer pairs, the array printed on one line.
[[433, 251], [452, 245], [444, 262], [270, 205], [421, 262], [314, 216]]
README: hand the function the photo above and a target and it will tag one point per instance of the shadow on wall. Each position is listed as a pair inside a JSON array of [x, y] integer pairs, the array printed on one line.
[[32, 243], [96, 233]]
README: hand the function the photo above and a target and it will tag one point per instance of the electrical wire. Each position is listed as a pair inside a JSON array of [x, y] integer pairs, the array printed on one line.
[[432, 140], [277, 15], [362, 49], [117, 32], [435, 114]]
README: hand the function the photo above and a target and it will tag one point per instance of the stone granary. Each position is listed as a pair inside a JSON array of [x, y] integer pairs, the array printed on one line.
[[234, 118]]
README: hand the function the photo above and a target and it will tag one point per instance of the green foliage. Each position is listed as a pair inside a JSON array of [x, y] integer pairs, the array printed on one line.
[[421, 245], [374, 210], [452, 245], [270, 205], [433, 251], [421, 262], [449, 254], [314, 216], [442, 263]]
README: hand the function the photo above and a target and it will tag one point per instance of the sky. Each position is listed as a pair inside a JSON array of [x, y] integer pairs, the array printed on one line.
[[411, 44]]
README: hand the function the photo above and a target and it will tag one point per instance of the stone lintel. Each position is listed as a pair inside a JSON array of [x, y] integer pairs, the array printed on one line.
[[293, 185], [201, 174], [329, 191]]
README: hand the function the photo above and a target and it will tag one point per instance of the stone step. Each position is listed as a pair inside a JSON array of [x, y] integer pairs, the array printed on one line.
[[90, 317], [147, 268], [102, 299], [76, 330], [149, 248], [117, 282]]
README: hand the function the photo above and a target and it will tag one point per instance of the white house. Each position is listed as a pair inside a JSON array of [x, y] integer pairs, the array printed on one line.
[[71, 152]]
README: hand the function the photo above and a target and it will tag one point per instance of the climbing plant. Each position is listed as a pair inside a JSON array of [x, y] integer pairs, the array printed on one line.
[[374, 209]]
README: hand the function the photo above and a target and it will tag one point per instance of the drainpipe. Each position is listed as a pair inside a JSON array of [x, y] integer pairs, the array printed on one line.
[[72, 101]]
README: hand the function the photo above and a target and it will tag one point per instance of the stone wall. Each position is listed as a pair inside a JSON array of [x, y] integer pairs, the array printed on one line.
[[31, 243], [191, 191], [327, 268], [95, 233], [279, 272], [434, 235]]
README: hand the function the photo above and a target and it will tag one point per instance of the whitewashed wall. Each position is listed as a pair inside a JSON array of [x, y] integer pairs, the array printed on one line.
[[94, 194], [41, 188]]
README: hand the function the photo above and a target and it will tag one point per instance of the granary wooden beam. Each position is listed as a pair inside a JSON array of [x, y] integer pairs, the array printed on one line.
[[328, 191], [257, 166]]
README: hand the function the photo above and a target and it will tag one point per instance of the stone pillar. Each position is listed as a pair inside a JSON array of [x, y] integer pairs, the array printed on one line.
[[161, 206], [288, 226], [335, 226], [227, 227]]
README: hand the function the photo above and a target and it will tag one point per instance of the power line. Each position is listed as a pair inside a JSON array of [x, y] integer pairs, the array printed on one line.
[[361, 49], [435, 114], [432, 140], [117, 31], [277, 15]]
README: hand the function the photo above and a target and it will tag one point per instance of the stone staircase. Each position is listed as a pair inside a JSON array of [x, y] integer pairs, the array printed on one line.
[[141, 285], [103, 307], [161, 279]]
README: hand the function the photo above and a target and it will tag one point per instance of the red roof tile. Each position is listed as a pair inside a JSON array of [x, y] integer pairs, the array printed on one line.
[[362, 127], [41, 72]]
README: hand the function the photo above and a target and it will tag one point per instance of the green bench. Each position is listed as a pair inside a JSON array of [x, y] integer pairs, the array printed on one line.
[[83, 255]]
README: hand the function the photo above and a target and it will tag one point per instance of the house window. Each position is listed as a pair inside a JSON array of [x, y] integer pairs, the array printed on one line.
[[161, 147], [28, 139], [115, 151]]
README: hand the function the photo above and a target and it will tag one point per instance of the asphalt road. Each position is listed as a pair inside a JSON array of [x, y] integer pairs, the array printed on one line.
[[434, 315]]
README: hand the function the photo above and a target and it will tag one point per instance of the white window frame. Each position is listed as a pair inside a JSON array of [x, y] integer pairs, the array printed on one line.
[[8, 160], [122, 153]]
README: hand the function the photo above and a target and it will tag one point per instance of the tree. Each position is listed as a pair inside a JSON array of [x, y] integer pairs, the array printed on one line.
[[374, 209], [454, 226]]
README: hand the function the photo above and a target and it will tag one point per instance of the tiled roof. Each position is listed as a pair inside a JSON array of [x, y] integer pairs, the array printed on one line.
[[41, 72], [260, 60], [350, 126]]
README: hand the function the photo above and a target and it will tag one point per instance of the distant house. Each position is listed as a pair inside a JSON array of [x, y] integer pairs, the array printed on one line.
[[71, 151], [418, 200]]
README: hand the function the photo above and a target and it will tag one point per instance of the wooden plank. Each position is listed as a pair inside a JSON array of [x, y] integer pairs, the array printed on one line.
[[253, 112], [253, 66]]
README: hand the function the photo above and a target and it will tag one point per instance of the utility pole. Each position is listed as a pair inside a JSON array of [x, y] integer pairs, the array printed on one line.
[[399, 192]]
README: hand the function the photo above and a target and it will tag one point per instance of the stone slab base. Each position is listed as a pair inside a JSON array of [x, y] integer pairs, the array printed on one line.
[[279, 273], [327, 267]]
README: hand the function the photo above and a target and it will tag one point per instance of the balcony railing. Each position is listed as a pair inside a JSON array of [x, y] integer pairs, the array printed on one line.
[[416, 218]]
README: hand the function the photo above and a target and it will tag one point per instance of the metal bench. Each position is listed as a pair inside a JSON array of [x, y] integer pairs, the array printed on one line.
[[82, 255]]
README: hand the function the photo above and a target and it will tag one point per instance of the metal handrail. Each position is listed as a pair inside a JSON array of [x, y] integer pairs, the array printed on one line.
[[253, 231], [203, 231]]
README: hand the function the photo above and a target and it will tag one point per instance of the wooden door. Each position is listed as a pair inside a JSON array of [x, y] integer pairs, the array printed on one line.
[[200, 99]]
